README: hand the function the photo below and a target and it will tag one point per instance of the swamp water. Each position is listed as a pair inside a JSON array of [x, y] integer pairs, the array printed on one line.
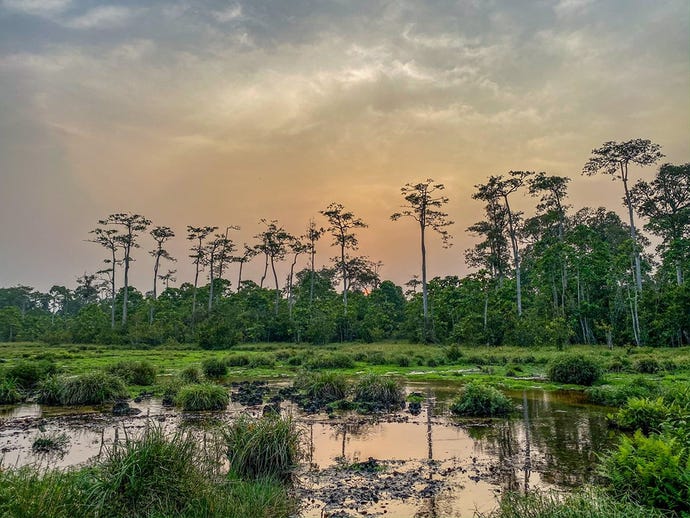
[[429, 465]]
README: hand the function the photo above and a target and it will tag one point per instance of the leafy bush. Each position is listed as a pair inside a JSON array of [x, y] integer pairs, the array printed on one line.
[[9, 392], [477, 400], [643, 414], [573, 369], [214, 367], [203, 396], [134, 372], [191, 374], [402, 360], [93, 388], [377, 358], [453, 353], [265, 447], [378, 393], [652, 471]]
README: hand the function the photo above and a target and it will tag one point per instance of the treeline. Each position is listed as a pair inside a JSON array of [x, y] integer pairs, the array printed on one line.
[[556, 277]]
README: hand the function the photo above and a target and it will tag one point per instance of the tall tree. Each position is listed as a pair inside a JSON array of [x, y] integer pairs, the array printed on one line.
[[313, 234], [665, 201], [273, 242], [247, 255], [216, 255], [342, 224], [197, 235], [613, 158], [107, 238], [160, 235], [423, 205], [224, 257], [129, 226], [500, 188]]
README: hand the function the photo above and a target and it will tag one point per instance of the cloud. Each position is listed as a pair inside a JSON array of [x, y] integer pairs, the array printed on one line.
[[228, 14], [37, 7], [566, 8], [100, 17]]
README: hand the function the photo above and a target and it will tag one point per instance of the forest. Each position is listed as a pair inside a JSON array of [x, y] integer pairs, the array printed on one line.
[[555, 276]]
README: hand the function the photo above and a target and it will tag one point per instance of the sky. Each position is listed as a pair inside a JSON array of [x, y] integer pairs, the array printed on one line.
[[223, 113]]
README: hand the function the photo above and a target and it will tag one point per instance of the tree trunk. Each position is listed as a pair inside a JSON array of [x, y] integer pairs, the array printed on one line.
[[275, 277], [239, 276], [425, 294], [155, 283], [516, 256], [125, 296]]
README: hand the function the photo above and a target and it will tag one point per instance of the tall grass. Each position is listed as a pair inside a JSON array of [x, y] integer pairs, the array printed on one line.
[[9, 392], [583, 504], [93, 388], [375, 393], [264, 447], [202, 396], [134, 372], [324, 387]]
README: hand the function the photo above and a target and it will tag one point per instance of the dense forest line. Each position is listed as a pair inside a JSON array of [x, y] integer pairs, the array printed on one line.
[[557, 276]]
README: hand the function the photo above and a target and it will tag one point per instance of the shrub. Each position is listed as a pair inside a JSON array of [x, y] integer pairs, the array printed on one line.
[[376, 358], [214, 367], [265, 447], [49, 390], [204, 396], [643, 414], [573, 369], [27, 374], [9, 393], [93, 388], [478, 400], [402, 360], [134, 372], [647, 365], [376, 393], [652, 471], [191, 374]]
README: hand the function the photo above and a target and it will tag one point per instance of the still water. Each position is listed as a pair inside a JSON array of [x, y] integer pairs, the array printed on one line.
[[427, 465]]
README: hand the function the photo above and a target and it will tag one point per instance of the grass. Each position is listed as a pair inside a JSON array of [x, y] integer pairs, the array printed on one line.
[[324, 387], [476, 400], [587, 503], [53, 442], [155, 476], [9, 392], [376, 393], [133, 372], [426, 362], [263, 447], [94, 388], [202, 396]]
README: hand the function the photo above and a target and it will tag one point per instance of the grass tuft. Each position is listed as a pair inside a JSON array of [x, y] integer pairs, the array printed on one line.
[[202, 396]]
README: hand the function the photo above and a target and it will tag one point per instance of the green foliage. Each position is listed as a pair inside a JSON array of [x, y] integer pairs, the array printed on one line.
[[643, 414], [374, 393], [203, 396], [264, 447], [588, 503], [214, 367], [191, 374], [53, 442], [9, 392], [134, 372], [323, 387], [647, 365], [27, 374], [618, 395], [93, 388], [653, 471], [330, 361], [453, 353], [237, 360], [477, 400], [262, 360], [574, 369]]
